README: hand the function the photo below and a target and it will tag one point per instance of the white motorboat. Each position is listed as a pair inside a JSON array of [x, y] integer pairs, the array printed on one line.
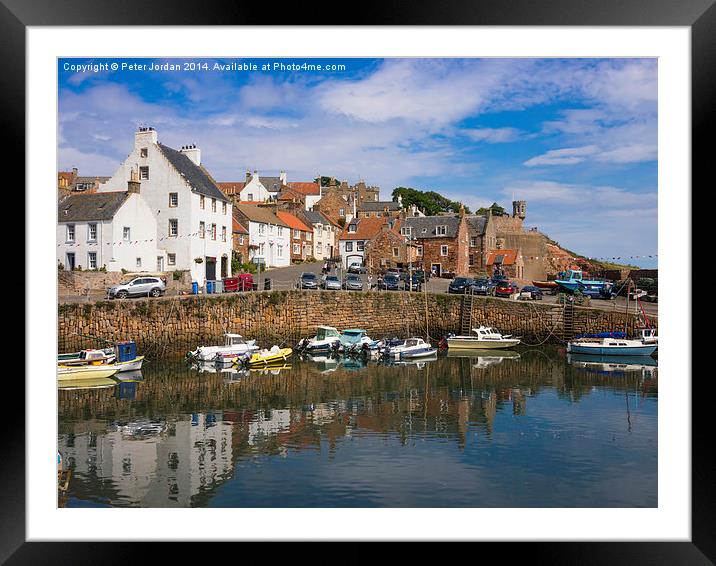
[[411, 348], [484, 337], [611, 347], [353, 339], [327, 338], [234, 344], [123, 356]]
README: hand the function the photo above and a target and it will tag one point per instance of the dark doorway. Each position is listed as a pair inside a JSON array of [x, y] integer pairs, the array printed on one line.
[[436, 269], [224, 267], [210, 268], [70, 261]]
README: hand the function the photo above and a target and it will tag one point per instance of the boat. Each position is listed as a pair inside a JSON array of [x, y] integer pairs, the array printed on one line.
[[66, 373], [123, 355], [410, 348], [327, 338], [573, 280], [234, 344], [549, 285], [262, 358], [355, 339], [611, 347], [484, 337]]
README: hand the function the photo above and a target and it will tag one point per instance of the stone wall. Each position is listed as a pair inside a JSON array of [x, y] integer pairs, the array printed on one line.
[[174, 325], [80, 282]]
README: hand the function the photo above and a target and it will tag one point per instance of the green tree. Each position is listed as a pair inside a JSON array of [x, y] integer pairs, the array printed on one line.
[[430, 202], [495, 208]]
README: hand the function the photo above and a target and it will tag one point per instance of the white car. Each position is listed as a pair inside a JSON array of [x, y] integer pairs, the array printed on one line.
[[637, 294], [138, 287]]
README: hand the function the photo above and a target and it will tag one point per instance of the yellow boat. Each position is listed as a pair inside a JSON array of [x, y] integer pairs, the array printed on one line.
[[67, 373], [266, 357], [87, 383]]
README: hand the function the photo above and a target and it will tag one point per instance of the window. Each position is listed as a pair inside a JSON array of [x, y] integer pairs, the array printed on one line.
[[201, 201], [441, 230], [173, 227], [360, 245], [172, 259], [296, 234], [213, 231], [443, 250], [70, 232], [126, 233], [309, 236], [319, 248], [173, 200], [241, 240], [213, 205], [144, 173], [472, 260], [279, 250], [139, 262], [262, 228], [261, 249], [342, 212], [223, 233], [352, 228], [250, 196], [419, 250], [296, 249], [406, 230], [280, 231], [473, 241], [143, 152], [223, 208], [396, 252], [92, 260], [202, 229], [91, 232], [349, 246]]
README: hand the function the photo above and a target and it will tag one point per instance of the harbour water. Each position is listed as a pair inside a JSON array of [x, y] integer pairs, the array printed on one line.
[[529, 428]]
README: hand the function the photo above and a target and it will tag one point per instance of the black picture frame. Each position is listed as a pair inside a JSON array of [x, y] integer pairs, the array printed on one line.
[[699, 15]]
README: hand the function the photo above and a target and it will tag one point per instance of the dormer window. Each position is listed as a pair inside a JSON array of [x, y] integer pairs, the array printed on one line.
[[441, 230], [352, 228]]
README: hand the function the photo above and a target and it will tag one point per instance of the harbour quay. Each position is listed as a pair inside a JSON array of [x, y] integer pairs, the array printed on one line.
[[173, 325]]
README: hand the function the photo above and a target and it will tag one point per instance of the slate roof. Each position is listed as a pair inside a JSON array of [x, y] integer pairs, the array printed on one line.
[[272, 184], [200, 181], [92, 206], [477, 224], [426, 226], [377, 206]]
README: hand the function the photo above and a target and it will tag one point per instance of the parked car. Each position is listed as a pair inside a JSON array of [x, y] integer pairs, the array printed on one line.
[[459, 284], [356, 267], [531, 292], [331, 282], [481, 287], [412, 283], [637, 294], [138, 287], [308, 280], [505, 289], [389, 282], [422, 275], [353, 282]]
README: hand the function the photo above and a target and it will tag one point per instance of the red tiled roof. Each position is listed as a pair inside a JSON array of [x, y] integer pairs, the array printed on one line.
[[231, 188], [292, 221], [509, 257], [306, 188], [238, 227], [366, 228]]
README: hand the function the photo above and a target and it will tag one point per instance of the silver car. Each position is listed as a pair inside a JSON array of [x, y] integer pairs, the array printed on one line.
[[331, 282], [353, 282], [138, 287]]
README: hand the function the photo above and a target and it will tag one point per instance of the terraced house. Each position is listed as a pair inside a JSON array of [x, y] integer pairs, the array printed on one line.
[[442, 243], [269, 236], [301, 236], [192, 218]]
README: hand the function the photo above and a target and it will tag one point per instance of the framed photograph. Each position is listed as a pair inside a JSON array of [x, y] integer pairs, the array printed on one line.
[[395, 281]]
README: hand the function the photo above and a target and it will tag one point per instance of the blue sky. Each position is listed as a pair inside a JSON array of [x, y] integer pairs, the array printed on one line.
[[576, 138]]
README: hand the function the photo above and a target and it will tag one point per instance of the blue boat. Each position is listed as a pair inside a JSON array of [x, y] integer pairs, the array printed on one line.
[[573, 280], [611, 347]]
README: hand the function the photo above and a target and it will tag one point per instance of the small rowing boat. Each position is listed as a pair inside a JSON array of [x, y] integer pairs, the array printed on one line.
[[265, 357], [65, 373]]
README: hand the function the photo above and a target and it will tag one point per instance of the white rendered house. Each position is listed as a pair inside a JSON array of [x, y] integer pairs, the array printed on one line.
[[113, 231], [269, 236], [192, 217]]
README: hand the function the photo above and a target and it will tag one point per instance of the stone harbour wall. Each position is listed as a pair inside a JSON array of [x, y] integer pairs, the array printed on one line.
[[173, 325]]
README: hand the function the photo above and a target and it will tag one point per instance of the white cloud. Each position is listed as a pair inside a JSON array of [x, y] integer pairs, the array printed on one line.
[[492, 135], [566, 156]]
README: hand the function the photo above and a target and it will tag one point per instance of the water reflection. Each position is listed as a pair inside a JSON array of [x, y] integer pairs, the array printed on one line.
[[326, 431]]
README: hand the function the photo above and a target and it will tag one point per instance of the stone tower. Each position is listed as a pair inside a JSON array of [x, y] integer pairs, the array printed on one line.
[[519, 209]]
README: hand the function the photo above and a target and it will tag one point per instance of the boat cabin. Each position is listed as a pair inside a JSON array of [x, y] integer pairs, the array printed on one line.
[[352, 335], [233, 339], [487, 333], [646, 334], [126, 351], [325, 332], [414, 342]]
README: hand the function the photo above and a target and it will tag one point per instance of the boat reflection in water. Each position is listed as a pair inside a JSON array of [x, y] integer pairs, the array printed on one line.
[[87, 383], [483, 358], [450, 432], [614, 365]]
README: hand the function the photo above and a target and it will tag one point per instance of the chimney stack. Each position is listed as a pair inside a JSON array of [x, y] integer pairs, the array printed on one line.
[[145, 136], [133, 186], [192, 152]]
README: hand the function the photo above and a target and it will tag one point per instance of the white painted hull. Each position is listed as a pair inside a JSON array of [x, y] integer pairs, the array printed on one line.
[[468, 342], [129, 365], [209, 353]]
